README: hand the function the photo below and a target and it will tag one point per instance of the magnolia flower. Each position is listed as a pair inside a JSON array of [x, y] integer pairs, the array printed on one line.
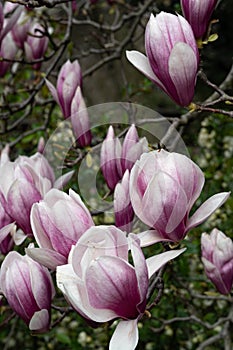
[[198, 14], [24, 182], [217, 257], [80, 120], [69, 78], [29, 289], [101, 284], [57, 223], [4, 155], [172, 56], [21, 28], [41, 145], [1, 18], [116, 159], [163, 189], [7, 24], [110, 159], [36, 44], [123, 210], [7, 228], [8, 50]]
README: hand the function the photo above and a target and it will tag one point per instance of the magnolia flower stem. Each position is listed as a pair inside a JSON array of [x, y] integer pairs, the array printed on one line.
[[156, 282], [217, 96], [224, 96], [5, 322], [228, 331], [11, 333]]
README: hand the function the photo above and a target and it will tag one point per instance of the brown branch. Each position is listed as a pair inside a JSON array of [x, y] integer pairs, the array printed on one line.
[[39, 3]]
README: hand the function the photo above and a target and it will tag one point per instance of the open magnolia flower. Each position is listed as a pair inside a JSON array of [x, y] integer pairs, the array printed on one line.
[[102, 285], [163, 189]]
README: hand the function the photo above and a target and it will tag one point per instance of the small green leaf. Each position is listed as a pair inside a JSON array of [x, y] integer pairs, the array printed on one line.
[[213, 37]]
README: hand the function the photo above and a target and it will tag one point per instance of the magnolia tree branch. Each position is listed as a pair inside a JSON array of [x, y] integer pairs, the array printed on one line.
[[39, 3]]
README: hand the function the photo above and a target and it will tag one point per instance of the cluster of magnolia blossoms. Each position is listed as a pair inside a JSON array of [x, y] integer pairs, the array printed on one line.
[[101, 270], [20, 34], [23, 182], [92, 260], [172, 56]]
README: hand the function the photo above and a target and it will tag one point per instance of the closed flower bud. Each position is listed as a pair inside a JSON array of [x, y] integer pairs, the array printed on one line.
[[69, 78], [123, 210], [116, 159], [20, 29], [132, 148], [6, 24], [36, 44], [217, 257], [110, 161], [29, 289], [8, 50], [41, 145], [172, 56], [198, 14], [1, 18], [163, 188], [80, 120]]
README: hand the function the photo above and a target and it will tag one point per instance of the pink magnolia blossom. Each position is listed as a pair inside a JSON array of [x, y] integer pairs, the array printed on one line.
[[24, 182], [36, 44], [1, 18], [116, 159], [172, 56], [6, 222], [8, 50], [217, 257], [6, 24], [21, 28], [101, 284], [41, 145], [123, 210], [29, 289], [69, 78], [57, 223], [163, 189], [110, 159], [80, 120], [7, 232], [198, 14]]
